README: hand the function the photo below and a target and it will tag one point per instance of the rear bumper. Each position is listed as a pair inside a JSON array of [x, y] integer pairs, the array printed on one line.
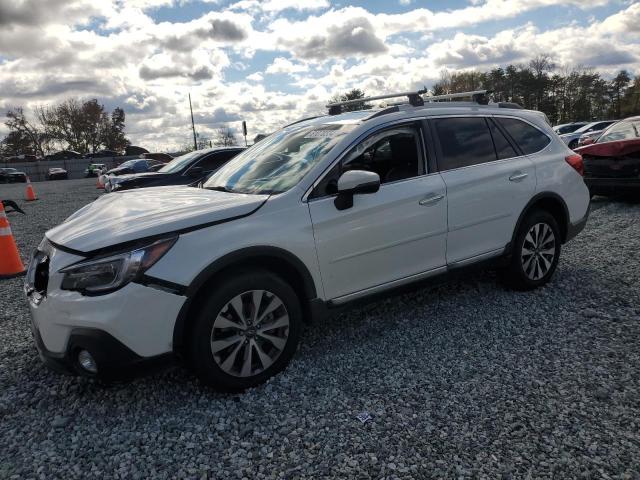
[[114, 360], [573, 229], [609, 184]]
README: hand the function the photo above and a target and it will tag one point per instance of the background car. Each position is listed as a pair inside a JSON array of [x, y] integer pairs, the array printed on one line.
[[188, 169], [612, 163], [161, 157], [137, 165], [63, 155], [11, 175], [568, 127], [102, 154], [571, 139], [93, 169], [57, 174]]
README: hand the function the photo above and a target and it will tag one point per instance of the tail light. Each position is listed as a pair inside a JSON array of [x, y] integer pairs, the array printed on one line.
[[575, 161]]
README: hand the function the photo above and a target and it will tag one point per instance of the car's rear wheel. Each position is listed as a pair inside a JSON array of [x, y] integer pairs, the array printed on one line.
[[246, 332], [535, 253]]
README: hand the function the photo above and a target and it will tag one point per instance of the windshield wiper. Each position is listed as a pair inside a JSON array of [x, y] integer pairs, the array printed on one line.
[[221, 188]]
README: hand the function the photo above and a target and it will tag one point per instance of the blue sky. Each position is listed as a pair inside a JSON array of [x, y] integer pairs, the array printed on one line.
[[272, 61]]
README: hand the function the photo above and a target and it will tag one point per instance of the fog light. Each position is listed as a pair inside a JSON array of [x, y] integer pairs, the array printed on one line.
[[87, 362]]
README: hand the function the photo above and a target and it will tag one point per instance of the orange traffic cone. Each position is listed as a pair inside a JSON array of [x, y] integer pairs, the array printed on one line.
[[10, 262], [30, 195], [100, 182]]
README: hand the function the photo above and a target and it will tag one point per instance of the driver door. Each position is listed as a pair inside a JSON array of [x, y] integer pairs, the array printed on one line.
[[388, 237]]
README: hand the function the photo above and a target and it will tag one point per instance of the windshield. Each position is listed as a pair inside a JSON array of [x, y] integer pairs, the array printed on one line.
[[180, 162], [278, 162]]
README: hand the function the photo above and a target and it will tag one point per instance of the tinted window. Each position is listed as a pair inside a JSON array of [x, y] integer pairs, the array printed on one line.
[[529, 139], [392, 154], [215, 161], [464, 142], [503, 147]]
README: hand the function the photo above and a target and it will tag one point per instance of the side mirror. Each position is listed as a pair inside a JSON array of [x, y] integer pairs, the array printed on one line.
[[355, 182], [195, 172]]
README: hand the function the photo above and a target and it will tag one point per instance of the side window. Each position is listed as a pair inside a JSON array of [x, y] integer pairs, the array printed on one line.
[[529, 139], [503, 147], [215, 161], [393, 154], [463, 142]]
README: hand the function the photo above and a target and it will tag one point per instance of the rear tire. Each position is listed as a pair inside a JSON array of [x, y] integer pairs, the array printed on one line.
[[246, 331], [536, 252]]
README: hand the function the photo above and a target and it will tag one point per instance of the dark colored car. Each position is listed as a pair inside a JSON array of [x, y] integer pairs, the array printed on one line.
[[161, 157], [11, 175], [188, 169], [57, 174], [102, 154], [612, 163], [137, 165], [63, 155]]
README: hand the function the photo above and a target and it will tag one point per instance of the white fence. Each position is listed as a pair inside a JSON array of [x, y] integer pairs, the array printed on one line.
[[37, 171]]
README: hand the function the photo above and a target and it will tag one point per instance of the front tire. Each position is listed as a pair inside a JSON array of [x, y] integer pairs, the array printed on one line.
[[535, 253], [246, 331]]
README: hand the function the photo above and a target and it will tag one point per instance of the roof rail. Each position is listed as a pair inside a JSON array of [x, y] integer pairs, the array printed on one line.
[[415, 98]]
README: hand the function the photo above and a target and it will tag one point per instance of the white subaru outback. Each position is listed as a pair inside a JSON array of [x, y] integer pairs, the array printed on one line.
[[325, 211]]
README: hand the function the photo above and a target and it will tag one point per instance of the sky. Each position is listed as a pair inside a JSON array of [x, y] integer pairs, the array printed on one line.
[[271, 62]]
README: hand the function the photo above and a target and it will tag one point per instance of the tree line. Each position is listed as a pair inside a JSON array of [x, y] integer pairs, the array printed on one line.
[[82, 126], [563, 94]]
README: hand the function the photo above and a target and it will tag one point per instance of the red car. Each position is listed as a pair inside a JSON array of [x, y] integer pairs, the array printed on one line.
[[612, 163]]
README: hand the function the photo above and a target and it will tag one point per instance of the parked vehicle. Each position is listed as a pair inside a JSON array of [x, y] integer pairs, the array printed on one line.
[[324, 212], [94, 169], [103, 154], [57, 174], [161, 157], [568, 127], [612, 163], [571, 139], [12, 175], [63, 155], [188, 169], [137, 165]]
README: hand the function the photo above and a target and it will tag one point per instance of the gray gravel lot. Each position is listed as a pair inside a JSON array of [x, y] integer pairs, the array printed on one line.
[[465, 380]]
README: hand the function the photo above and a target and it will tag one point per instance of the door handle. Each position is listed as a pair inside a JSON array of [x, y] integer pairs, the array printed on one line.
[[431, 199], [516, 177]]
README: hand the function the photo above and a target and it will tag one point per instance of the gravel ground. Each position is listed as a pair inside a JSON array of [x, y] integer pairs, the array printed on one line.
[[467, 380]]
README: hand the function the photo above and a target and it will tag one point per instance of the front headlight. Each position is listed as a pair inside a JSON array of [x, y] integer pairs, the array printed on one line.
[[110, 273]]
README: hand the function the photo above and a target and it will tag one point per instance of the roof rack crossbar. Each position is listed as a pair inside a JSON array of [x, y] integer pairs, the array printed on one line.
[[415, 98]]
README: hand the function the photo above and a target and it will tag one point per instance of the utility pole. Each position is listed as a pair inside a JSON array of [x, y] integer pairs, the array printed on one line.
[[193, 125]]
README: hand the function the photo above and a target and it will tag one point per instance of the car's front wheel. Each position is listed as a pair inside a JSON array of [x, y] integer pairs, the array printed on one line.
[[246, 331], [536, 251]]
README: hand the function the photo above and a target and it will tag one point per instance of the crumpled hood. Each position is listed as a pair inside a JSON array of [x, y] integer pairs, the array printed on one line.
[[122, 217], [611, 149]]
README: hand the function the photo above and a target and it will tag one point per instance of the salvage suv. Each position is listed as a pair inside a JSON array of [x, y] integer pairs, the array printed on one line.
[[324, 212]]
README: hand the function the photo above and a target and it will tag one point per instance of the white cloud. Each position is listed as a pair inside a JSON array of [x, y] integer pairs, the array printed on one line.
[[282, 65], [48, 52]]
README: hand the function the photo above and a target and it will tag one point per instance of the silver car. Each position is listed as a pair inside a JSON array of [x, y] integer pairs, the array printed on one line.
[[571, 139]]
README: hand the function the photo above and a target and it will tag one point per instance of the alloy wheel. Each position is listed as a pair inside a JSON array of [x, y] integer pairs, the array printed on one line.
[[538, 251], [250, 333]]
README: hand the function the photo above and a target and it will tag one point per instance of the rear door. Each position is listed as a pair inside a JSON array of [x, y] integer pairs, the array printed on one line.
[[488, 183]]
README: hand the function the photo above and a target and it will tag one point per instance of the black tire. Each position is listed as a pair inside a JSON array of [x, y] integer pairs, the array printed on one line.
[[516, 275], [202, 357]]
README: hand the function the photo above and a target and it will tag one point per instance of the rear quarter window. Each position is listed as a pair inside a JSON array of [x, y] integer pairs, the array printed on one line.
[[529, 139]]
